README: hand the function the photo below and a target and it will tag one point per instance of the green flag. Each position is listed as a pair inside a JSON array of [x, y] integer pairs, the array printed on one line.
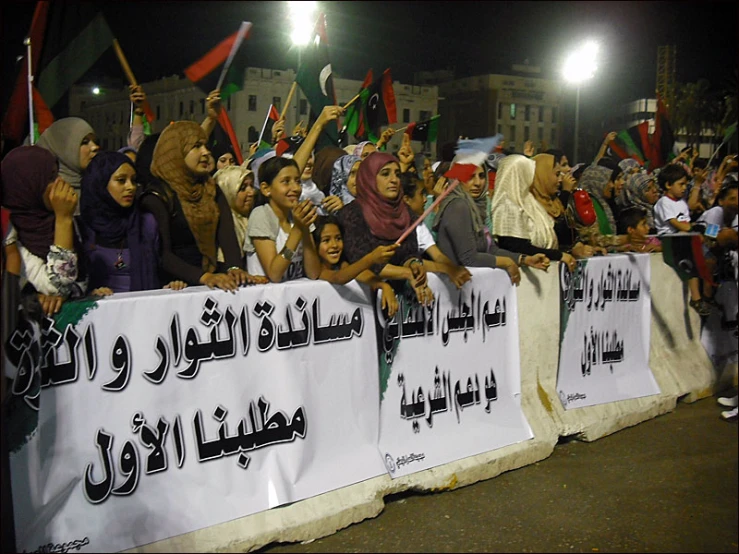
[[315, 79]]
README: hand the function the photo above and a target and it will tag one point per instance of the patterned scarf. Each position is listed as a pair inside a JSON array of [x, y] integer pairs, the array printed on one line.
[[594, 181]]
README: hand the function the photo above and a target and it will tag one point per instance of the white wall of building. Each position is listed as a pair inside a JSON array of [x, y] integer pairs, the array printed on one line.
[[176, 98]]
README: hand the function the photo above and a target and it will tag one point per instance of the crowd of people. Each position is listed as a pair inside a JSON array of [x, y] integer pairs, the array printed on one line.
[[167, 211]]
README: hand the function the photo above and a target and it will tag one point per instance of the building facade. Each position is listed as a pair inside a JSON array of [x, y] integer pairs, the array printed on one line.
[[176, 98], [521, 107]]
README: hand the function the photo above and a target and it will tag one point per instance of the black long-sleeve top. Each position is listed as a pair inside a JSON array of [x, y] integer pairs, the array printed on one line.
[[181, 258]]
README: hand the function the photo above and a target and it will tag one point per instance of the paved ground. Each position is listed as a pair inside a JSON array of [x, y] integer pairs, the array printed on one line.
[[667, 485]]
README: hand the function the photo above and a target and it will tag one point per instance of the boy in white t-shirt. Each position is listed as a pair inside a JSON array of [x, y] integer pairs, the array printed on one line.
[[672, 215]]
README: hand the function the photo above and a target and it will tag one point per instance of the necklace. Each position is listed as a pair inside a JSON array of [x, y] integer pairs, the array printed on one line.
[[119, 263]]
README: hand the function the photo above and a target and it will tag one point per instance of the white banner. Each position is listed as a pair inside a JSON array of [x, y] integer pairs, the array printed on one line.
[[605, 316], [450, 380], [167, 412]]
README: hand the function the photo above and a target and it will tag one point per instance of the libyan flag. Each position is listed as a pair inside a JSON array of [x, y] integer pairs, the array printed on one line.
[[425, 131], [683, 252], [354, 119], [380, 106], [316, 81], [202, 73], [66, 41], [265, 137]]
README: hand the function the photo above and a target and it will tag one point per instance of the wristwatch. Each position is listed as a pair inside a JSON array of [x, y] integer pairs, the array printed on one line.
[[521, 259], [287, 253]]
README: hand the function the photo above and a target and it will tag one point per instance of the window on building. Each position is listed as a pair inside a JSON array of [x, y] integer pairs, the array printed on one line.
[[513, 111], [541, 134], [277, 103], [541, 114], [192, 106], [252, 103], [525, 133], [527, 113], [500, 110], [159, 113], [424, 115], [202, 105], [406, 115], [182, 108], [512, 138], [500, 129], [303, 106], [554, 136], [253, 134], [554, 115]]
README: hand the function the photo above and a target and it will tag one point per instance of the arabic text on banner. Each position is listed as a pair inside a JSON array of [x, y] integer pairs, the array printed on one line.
[[201, 408], [450, 380], [605, 317]]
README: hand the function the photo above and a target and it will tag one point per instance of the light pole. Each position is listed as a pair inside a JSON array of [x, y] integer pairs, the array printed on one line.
[[579, 67]]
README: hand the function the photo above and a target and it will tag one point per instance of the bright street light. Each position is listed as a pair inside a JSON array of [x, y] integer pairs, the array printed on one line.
[[580, 66], [95, 90], [302, 19]]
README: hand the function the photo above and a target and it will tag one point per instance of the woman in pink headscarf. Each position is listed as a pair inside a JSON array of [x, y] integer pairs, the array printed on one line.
[[378, 217]]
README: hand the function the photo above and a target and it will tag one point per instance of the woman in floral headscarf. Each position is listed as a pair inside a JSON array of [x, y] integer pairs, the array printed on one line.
[[641, 191]]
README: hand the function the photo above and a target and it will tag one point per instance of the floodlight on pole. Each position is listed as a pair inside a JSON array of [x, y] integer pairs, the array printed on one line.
[[579, 67], [96, 90], [301, 17]]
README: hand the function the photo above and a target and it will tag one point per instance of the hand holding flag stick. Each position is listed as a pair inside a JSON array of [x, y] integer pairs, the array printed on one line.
[[426, 212]]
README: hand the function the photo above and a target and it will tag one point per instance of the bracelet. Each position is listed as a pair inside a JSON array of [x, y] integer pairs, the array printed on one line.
[[232, 267], [521, 259], [287, 253], [416, 260]]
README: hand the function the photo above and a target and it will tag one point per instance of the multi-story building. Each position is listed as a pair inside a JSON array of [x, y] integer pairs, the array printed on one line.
[[176, 98], [522, 107]]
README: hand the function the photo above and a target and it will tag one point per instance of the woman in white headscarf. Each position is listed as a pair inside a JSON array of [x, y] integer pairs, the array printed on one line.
[[520, 221], [237, 185]]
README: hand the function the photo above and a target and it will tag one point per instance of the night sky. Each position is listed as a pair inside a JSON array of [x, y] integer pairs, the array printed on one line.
[[162, 38]]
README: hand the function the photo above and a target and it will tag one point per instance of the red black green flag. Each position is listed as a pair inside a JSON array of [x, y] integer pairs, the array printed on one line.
[[202, 73], [683, 252], [380, 107], [354, 119], [424, 131], [67, 38], [265, 137]]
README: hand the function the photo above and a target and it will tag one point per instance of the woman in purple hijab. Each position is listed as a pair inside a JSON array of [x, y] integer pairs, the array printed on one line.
[[121, 242]]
